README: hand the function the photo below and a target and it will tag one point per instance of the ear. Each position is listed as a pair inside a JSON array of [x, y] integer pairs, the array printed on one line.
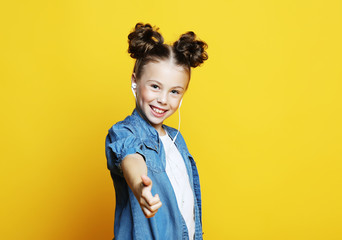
[[133, 78]]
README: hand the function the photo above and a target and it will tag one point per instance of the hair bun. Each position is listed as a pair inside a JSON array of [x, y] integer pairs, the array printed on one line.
[[143, 39], [192, 49]]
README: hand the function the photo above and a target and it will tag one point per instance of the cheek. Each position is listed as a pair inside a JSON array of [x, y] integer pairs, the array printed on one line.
[[146, 95], [175, 103]]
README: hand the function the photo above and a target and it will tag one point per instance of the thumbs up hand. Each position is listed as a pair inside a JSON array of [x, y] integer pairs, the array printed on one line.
[[149, 204]]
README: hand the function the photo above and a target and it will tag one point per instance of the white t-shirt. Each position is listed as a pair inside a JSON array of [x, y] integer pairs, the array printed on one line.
[[179, 178]]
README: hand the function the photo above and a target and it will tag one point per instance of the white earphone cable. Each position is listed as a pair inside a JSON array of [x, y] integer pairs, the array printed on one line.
[[179, 122]]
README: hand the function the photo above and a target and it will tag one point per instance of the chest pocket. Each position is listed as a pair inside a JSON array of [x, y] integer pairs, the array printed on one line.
[[153, 157]]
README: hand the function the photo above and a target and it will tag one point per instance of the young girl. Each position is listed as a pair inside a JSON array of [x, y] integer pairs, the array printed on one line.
[[155, 177]]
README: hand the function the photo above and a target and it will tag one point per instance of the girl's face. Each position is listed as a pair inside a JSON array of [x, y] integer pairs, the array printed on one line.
[[159, 91]]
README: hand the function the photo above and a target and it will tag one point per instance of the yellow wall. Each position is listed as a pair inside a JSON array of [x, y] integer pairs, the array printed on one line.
[[262, 117]]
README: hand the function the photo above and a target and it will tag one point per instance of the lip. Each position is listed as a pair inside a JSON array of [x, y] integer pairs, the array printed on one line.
[[158, 114]]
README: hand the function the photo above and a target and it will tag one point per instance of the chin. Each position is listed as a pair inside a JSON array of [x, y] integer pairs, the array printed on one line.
[[156, 122]]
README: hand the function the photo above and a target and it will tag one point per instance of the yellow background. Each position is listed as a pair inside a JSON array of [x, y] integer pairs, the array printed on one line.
[[262, 117]]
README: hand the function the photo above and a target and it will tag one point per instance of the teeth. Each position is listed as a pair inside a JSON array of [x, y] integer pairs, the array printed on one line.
[[157, 110]]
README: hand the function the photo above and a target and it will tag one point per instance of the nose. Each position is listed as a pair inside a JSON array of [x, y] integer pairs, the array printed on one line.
[[162, 98]]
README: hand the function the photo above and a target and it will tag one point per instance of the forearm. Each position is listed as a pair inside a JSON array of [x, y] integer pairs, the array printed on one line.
[[133, 167]]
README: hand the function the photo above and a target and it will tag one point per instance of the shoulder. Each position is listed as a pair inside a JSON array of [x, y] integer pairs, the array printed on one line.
[[123, 128]]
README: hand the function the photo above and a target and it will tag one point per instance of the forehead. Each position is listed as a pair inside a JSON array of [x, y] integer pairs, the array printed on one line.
[[165, 72]]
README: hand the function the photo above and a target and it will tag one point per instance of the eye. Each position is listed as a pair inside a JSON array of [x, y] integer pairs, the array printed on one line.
[[154, 86], [175, 92]]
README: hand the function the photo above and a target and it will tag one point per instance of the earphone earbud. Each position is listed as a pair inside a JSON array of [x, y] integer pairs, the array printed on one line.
[[133, 87]]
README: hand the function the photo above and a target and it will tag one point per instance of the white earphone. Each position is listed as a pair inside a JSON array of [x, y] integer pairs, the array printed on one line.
[[133, 87]]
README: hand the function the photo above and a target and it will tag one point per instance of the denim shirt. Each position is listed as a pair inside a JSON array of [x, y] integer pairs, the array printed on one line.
[[135, 135]]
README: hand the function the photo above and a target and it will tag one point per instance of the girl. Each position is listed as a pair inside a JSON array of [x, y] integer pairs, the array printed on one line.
[[155, 177]]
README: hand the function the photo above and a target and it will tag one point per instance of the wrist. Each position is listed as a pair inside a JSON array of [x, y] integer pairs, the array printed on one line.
[[136, 188]]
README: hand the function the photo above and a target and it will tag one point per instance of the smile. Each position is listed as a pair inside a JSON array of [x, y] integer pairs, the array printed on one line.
[[158, 110]]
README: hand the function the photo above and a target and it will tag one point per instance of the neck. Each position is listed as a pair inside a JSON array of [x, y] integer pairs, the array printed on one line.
[[161, 131]]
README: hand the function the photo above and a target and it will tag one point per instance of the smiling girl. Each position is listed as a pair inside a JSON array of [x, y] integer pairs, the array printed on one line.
[[155, 177]]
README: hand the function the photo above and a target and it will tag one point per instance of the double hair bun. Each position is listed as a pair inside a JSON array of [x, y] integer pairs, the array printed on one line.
[[145, 40]]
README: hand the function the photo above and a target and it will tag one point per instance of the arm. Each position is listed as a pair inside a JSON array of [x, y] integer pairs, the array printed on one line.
[[135, 172]]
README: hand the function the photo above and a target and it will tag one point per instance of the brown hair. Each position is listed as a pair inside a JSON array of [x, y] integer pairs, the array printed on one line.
[[146, 45]]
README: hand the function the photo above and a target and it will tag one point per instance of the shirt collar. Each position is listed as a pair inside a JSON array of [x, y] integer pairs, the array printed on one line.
[[144, 124]]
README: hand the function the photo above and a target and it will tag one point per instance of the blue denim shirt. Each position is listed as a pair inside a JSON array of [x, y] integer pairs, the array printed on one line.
[[135, 135]]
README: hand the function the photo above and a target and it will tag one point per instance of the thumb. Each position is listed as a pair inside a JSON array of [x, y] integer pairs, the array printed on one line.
[[146, 180]]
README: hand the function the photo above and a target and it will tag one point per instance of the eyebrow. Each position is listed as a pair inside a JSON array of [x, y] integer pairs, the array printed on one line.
[[151, 80]]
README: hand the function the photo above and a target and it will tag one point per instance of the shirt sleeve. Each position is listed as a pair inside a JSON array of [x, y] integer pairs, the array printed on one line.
[[120, 142]]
